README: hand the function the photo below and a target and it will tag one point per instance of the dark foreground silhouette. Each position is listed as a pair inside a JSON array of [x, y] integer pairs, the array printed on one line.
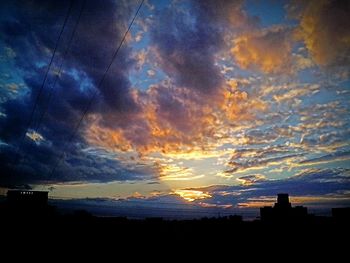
[[26, 215]]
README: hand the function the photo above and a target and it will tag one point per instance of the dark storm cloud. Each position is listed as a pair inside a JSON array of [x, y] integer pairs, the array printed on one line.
[[187, 44], [100, 32], [35, 28], [31, 29], [76, 166]]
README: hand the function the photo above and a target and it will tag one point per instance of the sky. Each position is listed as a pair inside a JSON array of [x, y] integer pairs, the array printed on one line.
[[207, 105]]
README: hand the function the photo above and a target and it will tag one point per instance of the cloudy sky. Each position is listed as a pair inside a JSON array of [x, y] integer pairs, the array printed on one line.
[[207, 104]]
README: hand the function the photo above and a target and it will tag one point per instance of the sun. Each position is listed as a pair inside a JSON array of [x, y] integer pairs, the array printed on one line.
[[192, 195]]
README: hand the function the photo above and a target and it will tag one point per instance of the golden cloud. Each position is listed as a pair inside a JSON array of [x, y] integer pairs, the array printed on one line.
[[251, 179], [268, 50], [172, 119], [192, 195], [325, 29]]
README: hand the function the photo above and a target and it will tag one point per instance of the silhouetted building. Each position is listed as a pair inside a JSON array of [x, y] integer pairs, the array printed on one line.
[[282, 210], [27, 198], [341, 214], [27, 203], [283, 202]]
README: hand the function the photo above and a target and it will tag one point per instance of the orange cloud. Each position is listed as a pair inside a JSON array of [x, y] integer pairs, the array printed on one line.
[[269, 50], [172, 119], [325, 29]]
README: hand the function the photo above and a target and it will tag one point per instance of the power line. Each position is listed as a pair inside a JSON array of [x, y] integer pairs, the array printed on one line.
[[95, 92], [51, 91], [44, 80]]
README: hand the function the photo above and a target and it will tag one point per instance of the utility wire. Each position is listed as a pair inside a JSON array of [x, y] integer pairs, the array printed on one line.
[[51, 91], [44, 81], [94, 94]]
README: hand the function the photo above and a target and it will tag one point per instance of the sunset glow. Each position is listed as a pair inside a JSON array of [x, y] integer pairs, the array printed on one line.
[[191, 195], [220, 104]]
